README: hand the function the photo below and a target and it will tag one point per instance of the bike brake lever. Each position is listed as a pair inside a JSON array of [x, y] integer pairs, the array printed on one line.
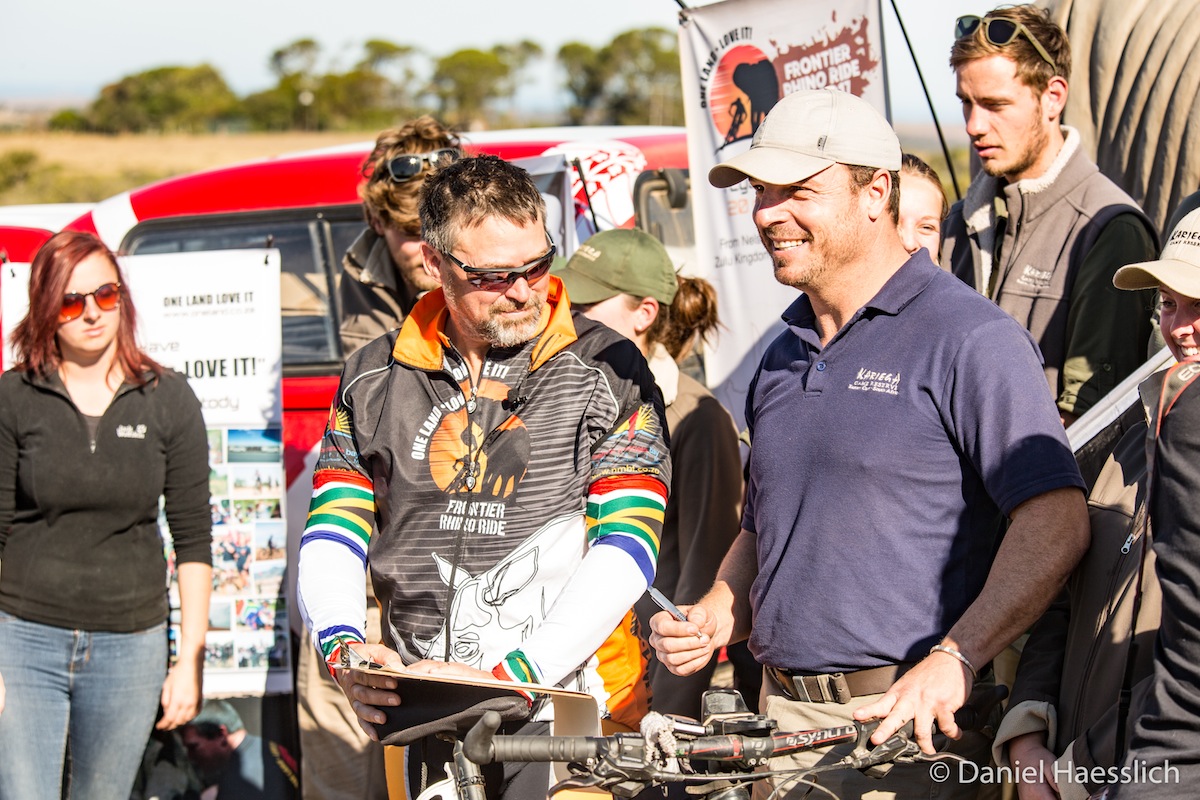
[[603, 775], [875, 760], [866, 755], [581, 780]]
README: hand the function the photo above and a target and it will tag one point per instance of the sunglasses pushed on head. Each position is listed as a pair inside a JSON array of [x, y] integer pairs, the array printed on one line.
[[999, 31], [406, 166]]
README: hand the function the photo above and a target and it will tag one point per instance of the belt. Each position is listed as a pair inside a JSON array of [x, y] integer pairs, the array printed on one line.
[[837, 687]]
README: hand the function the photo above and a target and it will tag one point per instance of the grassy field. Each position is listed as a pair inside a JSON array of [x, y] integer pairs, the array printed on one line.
[[66, 167]]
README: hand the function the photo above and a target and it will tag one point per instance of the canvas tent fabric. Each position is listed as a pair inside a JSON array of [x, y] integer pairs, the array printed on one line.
[[1135, 94]]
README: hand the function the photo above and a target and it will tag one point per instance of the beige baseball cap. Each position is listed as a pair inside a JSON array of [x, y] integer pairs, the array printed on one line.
[[1178, 268], [808, 131]]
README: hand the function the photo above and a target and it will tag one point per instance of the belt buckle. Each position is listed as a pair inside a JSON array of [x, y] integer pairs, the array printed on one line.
[[800, 691], [814, 688], [821, 688]]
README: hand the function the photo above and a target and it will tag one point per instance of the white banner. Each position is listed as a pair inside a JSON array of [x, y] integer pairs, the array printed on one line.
[[739, 58], [214, 316]]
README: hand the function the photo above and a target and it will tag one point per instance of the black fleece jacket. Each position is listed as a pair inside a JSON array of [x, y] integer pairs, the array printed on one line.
[[79, 540]]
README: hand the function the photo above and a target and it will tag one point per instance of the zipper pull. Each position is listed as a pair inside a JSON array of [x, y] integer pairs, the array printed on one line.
[[1128, 543]]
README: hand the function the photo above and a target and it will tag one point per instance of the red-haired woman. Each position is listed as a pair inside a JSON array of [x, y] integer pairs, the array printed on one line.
[[92, 433]]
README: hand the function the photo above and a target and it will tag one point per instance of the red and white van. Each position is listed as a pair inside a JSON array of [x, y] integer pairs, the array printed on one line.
[[23, 229], [306, 205]]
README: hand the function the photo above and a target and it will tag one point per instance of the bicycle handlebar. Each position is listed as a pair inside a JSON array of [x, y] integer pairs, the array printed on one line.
[[483, 747]]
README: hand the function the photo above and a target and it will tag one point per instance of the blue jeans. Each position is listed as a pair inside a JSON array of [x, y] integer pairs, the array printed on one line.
[[92, 691]]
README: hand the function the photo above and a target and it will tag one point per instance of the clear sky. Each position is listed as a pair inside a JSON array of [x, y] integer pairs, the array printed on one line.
[[69, 49]]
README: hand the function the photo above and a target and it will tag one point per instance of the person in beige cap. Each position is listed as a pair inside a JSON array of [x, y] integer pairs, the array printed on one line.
[[1176, 275], [1163, 734], [1064, 718], [625, 279], [898, 425]]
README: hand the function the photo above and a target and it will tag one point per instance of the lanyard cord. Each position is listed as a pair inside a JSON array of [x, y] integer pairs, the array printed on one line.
[[515, 402]]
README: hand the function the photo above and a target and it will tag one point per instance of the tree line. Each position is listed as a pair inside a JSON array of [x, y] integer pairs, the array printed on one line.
[[634, 79]]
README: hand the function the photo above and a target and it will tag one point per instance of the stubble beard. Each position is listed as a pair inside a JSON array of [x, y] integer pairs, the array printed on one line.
[[495, 330], [827, 250], [512, 332], [504, 332], [1036, 142], [419, 279]]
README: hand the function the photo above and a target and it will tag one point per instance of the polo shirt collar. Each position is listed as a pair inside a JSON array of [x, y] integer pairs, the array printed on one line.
[[900, 290]]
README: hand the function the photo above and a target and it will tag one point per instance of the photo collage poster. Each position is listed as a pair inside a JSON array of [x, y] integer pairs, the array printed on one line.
[[215, 316]]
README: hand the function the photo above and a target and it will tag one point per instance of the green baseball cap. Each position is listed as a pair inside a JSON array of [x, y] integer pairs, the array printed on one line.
[[621, 261]]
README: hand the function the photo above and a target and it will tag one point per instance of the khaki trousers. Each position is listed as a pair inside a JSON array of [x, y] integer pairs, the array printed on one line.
[[904, 782], [337, 760]]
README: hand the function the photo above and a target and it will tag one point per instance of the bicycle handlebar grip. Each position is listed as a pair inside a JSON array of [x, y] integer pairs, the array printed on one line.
[[547, 748], [482, 746], [478, 745], [976, 711]]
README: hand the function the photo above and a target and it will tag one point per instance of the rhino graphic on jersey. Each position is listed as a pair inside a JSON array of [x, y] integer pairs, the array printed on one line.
[[493, 612]]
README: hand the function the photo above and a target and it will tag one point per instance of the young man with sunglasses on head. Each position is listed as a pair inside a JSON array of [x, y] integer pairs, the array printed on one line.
[[1040, 230], [501, 466], [382, 272]]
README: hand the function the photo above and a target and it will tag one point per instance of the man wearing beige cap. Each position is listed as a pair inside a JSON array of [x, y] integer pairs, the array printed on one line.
[[899, 426], [1164, 737]]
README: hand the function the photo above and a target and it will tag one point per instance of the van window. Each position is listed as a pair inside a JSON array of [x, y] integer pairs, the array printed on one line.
[[310, 247], [662, 202]]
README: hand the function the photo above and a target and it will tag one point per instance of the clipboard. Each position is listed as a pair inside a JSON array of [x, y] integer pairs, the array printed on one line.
[[450, 703]]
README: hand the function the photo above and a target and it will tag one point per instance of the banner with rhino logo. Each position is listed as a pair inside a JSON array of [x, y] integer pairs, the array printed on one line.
[[739, 58]]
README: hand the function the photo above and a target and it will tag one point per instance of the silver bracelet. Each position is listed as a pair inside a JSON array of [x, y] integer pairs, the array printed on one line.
[[950, 651]]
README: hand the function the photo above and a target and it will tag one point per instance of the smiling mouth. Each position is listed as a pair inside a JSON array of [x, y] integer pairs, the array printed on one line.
[[787, 244]]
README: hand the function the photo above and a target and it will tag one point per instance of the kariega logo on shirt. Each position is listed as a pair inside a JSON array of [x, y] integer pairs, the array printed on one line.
[[1035, 278], [131, 431], [870, 380]]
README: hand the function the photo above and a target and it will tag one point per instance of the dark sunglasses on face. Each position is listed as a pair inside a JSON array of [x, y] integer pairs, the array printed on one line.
[[107, 298], [407, 166], [999, 31], [501, 279]]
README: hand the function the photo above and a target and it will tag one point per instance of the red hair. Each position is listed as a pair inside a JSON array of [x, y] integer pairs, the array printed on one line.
[[35, 339]]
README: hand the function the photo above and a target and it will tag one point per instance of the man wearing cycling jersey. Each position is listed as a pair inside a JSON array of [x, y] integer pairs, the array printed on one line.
[[382, 278], [512, 458], [898, 424]]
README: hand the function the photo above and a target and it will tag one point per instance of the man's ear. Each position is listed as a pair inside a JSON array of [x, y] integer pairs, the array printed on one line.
[[1054, 99], [878, 193], [376, 223], [432, 261], [645, 314]]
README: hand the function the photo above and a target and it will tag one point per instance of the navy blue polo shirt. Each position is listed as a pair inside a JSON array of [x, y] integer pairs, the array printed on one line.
[[883, 465]]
